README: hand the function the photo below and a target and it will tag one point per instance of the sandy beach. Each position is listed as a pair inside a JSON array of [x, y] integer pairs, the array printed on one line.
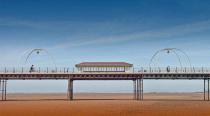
[[105, 104]]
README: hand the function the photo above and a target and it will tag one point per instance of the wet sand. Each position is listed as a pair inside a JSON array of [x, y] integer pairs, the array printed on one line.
[[105, 104]]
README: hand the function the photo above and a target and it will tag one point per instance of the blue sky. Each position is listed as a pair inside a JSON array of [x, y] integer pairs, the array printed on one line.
[[110, 30]]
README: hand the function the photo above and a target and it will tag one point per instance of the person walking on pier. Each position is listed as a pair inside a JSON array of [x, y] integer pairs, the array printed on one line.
[[168, 69], [32, 68]]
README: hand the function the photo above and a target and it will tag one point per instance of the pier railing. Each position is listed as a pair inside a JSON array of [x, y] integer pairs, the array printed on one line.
[[67, 70], [172, 70], [36, 70]]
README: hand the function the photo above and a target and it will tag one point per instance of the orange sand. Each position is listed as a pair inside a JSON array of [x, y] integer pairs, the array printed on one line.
[[163, 104]]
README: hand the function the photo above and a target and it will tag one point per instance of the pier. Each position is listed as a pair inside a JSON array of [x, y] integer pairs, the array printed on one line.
[[137, 76]]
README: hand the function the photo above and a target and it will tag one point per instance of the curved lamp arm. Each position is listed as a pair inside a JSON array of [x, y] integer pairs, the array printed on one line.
[[39, 50], [174, 51]]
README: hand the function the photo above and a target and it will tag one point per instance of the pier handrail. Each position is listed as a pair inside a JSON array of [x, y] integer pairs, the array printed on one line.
[[66, 70]]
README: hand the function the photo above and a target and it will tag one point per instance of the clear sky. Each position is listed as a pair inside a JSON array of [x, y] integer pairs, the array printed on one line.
[[111, 30]]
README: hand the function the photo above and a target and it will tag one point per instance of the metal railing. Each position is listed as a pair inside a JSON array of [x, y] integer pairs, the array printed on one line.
[[172, 70], [133, 70], [36, 70]]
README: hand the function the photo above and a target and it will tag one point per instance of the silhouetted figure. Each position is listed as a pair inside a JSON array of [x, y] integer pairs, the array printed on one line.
[[32, 68], [168, 69]]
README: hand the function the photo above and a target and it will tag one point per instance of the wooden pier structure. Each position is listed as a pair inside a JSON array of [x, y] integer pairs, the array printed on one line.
[[136, 76]]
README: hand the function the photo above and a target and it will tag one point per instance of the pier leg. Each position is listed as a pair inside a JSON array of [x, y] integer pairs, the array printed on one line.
[[208, 89], [141, 94], [137, 89], [204, 92], [134, 89], [70, 89], [3, 89], [142, 88]]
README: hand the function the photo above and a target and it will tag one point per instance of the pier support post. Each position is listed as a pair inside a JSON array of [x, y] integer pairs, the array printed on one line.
[[3, 89], [206, 92], [142, 88], [139, 89], [70, 89], [204, 89], [134, 89], [208, 89]]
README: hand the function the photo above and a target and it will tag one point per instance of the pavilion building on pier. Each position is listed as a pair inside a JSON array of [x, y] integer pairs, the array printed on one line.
[[104, 67]]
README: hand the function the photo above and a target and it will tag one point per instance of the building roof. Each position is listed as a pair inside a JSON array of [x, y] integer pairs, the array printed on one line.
[[104, 64]]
